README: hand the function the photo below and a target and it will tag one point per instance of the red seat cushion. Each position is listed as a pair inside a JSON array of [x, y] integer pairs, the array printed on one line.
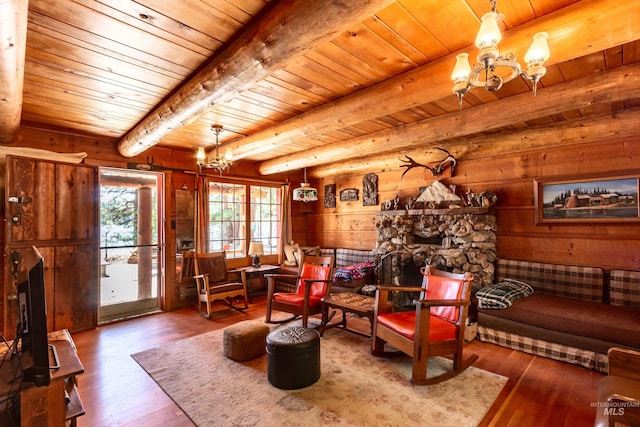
[[404, 323]]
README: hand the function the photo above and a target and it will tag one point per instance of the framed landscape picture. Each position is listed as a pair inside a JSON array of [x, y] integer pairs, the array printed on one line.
[[612, 199]]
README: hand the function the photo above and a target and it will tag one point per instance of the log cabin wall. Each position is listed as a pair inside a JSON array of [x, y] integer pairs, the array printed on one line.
[[102, 152], [508, 172], [511, 175]]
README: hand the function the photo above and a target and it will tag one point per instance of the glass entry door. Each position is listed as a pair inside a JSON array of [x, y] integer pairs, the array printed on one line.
[[130, 243]]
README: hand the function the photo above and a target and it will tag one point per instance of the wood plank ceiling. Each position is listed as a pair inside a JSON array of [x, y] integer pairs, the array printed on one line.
[[299, 83]]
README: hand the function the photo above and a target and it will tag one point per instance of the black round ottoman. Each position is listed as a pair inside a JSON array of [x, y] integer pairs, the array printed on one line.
[[293, 357]]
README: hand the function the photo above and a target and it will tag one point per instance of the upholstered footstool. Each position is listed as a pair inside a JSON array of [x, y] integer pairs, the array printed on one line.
[[244, 340], [293, 357]]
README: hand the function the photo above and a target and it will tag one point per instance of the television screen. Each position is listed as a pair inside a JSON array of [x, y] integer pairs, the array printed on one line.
[[32, 320]]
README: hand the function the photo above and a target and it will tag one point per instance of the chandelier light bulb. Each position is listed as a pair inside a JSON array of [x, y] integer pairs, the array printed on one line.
[[489, 34], [201, 157], [462, 68], [538, 52]]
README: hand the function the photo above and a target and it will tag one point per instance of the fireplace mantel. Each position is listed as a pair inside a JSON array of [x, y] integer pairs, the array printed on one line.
[[483, 210]]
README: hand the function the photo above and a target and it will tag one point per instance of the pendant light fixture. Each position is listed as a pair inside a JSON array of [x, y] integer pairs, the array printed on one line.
[[305, 193], [221, 164]]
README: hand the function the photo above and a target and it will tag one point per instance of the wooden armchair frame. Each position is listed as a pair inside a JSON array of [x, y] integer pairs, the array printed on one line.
[[420, 347], [213, 285], [305, 309], [619, 392]]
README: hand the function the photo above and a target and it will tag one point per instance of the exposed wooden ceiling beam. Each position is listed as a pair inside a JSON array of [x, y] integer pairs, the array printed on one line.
[[291, 28], [13, 44], [571, 35], [617, 85], [623, 124]]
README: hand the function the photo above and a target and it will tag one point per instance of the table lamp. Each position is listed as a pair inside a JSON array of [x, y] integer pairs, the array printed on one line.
[[256, 249]]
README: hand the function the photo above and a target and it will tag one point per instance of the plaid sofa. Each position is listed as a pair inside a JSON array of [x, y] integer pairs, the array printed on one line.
[[575, 314]]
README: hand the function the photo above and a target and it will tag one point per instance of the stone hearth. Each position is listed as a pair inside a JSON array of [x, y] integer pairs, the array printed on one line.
[[456, 240]]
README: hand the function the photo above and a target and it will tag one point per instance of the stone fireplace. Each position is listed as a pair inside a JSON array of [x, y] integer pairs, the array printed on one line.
[[455, 239]]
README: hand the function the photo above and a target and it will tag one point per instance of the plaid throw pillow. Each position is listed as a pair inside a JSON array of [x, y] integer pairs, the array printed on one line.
[[503, 294]]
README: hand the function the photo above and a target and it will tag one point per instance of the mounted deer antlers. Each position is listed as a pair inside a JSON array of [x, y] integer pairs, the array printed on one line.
[[436, 170]]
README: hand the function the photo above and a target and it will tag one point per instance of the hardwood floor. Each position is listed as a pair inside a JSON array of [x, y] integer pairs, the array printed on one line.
[[117, 392]]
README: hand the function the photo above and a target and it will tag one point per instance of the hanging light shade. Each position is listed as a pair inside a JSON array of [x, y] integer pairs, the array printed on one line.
[[305, 193]]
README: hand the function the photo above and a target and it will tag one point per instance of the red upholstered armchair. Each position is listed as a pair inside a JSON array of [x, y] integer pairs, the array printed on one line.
[[314, 282], [435, 328]]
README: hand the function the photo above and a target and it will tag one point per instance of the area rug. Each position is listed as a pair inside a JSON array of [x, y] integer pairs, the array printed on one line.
[[354, 389]]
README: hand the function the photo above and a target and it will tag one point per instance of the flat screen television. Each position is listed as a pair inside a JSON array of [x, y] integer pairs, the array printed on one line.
[[32, 320]]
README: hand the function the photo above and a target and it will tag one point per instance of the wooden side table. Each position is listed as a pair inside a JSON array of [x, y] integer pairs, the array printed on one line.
[[347, 302], [255, 284], [46, 406]]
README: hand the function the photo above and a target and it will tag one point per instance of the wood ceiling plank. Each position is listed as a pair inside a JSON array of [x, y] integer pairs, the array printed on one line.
[[365, 45], [370, 126], [53, 107], [395, 119], [90, 127], [255, 111], [452, 23], [288, 30], [583, 66], [283, 109], [318, 79], [613, 57], [345, 59], [81, 43], [86, 18], [407, 28], [63, 98], [199, 16], [631, 53], [409, 116], [123, 93], [542, 7], [163, 26], [358, 80], [516, 12], [251, 7], [276, 93], [57, 52], [292, 76], [388, 33]]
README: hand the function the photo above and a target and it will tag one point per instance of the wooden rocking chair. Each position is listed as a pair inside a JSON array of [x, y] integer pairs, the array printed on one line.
[[213, 285], [435, 328]]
